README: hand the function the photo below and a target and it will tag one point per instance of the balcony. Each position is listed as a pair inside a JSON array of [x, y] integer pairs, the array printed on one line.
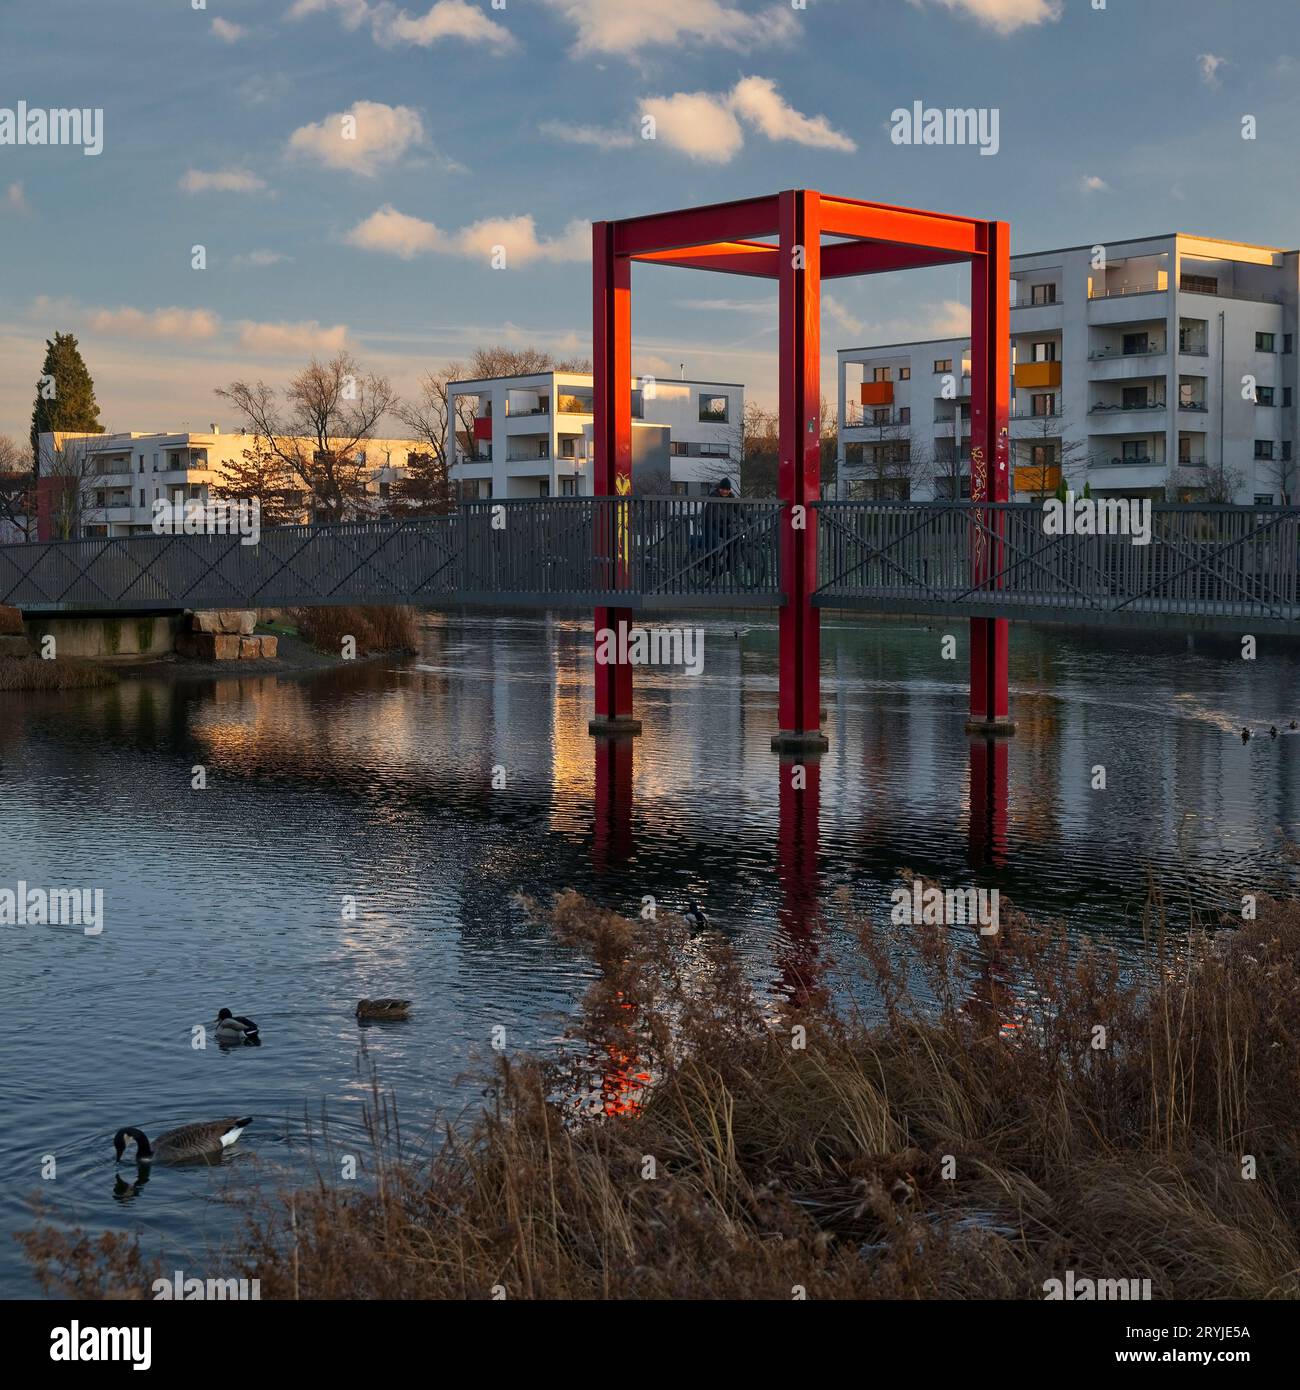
[[877, 393], [1193, 405], [1037, 477], [858, 419], [482, 427], [1038, 375]]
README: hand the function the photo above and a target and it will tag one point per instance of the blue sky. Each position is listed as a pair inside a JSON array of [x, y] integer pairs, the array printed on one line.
[[513, 126]]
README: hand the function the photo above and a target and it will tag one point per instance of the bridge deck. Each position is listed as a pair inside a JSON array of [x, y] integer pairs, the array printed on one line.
[[1203, 566]]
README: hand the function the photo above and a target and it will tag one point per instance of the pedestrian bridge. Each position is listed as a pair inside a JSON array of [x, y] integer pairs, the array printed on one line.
[[1205, 567]]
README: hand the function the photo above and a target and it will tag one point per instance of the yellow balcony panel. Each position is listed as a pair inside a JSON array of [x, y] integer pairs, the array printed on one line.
[[877, 393], [1038, 375], [1038, 478]]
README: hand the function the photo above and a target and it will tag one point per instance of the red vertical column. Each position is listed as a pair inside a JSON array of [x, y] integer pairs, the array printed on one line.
[[799, 473], [799, 811], [611, 302], [990, 471]]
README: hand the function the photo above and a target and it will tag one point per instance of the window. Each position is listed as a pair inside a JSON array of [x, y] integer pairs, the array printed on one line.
[[904, 414], [905, 373], [679, 489], [1199, 284], [543, 448], [141, 467], [384, 489], [1264, 342], [1186, 397], [1042, 404], [1286, 450], [1263, 448], [1136, 343], [1134, 451], [715, 451], [568, 487], [1184, 449], [882, 374], [880, 415], [713, 409], [1286, 342], [1286, 397], [568, 445], [1263, 499], [680, 447], [1263, 395], [1042, 294], [1136, 398], [942, 364], [1043, 455], [142, 489], [544, 488], [1044, 352], [155, 463]]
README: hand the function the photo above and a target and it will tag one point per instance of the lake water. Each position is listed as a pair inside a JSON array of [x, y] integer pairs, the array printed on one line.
[[375, 783]]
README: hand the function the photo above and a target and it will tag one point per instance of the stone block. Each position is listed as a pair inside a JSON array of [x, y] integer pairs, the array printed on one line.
[[11, 646], [11, 621], [237, 622], [208, 646]]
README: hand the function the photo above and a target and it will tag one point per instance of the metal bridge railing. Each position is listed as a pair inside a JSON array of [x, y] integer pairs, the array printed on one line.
[[561, 551], [1211, 562]]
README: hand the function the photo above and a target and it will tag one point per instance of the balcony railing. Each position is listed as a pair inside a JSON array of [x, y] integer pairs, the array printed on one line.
[[1193, 349], [1100, 409], [1192, 405], [1107, 354], [1119, 291], [1128, 461]]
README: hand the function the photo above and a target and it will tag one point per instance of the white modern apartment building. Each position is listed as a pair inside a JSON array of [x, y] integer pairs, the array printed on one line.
[[1163, 367], [529, 436], [125, 473]]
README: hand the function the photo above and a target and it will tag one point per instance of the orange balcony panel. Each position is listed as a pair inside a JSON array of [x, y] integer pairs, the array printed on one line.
[[1041, 375], [482, 427], [877, 393], [1035, 478]]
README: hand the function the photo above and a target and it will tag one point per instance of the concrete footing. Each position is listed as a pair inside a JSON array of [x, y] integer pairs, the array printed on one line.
[[614, 728], [807, 742], [990, 728]]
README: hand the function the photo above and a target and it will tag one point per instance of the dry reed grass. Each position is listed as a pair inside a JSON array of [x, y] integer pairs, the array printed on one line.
[[376, 628]]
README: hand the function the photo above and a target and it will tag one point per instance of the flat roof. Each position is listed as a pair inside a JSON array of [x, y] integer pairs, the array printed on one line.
[[1159, 236], [559, 371]]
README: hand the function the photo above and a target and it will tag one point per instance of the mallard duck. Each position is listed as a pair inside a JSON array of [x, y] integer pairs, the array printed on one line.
[[235, 1028], [383, 1008], [694, 914], [201, 1140]]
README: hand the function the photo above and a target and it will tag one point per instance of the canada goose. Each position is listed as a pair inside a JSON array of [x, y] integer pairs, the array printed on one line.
[[200, 1140], [383, 1008], [694, 914], [235, 1028], [1272, 731]]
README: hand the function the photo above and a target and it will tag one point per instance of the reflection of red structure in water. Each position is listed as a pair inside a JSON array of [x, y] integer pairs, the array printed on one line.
[[624, 1077], [799, 808], [987, 831], [611, 831]]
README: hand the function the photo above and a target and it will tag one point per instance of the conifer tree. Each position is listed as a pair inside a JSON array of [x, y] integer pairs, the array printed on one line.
[[65, 394]]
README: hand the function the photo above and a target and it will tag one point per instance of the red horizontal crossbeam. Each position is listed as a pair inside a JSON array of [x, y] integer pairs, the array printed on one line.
[[730, 257], [663, 231]]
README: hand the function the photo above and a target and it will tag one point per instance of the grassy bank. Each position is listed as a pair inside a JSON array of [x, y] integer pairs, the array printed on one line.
[[374, 628], [32, 673], [702, 1142]]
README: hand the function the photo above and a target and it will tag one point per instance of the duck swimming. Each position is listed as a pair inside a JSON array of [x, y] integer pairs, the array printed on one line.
[[383, 1008], [235, 1028], [203, 1140], [694, 914]]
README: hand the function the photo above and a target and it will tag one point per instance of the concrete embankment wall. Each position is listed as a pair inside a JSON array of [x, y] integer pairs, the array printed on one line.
[[110, 638]]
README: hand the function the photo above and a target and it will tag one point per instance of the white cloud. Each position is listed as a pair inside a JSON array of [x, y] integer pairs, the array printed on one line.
[[352, 12], [220, 181], [307, 336], [257, 260], [628, 26], [950, 320], [1092, 183], [600, 136], [517, 236], [700, 125], [762, 307], [396, 234], [1210, 63], [257, 90], [227, 31], [126, 322], [704, 125], [758, 101], [842, 316], [365, 138], [1004, 16], [447, 19], [15, 200]]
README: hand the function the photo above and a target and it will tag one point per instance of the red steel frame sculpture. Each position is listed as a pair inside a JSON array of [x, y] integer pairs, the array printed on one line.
[[872, 238]]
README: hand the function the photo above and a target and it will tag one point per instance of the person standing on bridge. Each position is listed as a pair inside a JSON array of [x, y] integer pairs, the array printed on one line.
[[720, 525]]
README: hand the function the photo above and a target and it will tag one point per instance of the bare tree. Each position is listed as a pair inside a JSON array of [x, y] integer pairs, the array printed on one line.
[[429, 472], [320, 429], [1061, 451], [264, 476], [71, 466], [17, 491], [1282, 471], [1219, 483]]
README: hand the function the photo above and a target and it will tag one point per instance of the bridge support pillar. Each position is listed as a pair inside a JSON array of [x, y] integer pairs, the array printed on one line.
[[611, 301], [799, 472], [990, 472]]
